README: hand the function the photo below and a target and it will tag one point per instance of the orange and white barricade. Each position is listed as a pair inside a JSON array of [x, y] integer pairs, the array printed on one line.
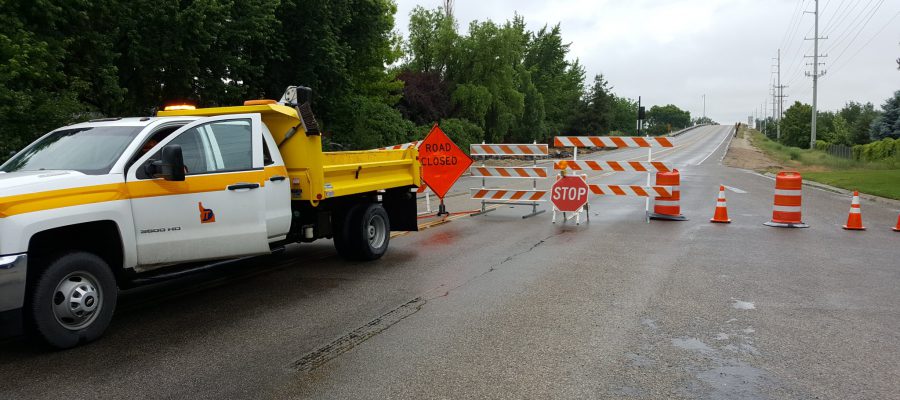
[[617, 166], [788, 209], [612, 141], [630, 190], [402, 146], [649, 166], [668, 207], [524, 197]]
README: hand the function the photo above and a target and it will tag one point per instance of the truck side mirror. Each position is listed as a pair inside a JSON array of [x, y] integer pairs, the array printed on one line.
[[171, 167]]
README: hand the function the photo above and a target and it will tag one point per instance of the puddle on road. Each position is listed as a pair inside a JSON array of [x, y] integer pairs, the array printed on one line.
[[736, 381], [693, 344], [722, 336], [743, 305], [649, 323]]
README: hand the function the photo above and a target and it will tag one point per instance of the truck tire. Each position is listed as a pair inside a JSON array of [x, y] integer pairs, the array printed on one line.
[[343, 240], [72, 300], [368, 233]]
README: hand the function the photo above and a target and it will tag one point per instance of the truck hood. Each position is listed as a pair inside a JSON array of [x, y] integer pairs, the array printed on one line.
[[26, 182], [26, 192]]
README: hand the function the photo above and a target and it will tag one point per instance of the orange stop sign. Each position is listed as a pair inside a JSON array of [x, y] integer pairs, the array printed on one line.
[[442, 161]]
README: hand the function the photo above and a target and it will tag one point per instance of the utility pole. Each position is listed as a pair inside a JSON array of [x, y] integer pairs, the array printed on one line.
[[448, 8], [780, 96], [704, 107], [815, 74]]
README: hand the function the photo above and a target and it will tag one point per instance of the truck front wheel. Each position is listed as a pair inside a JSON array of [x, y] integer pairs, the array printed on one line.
[[366, 233], [72, 301]]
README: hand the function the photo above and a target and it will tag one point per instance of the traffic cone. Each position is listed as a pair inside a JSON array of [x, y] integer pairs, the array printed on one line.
[[854, 220], [721, 214], [897, 228]]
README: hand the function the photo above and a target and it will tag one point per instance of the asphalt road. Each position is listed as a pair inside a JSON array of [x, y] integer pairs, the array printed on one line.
[[495, 306]]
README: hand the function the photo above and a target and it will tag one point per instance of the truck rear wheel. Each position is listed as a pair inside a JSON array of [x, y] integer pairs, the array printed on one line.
[[365, 233], [72, 301]]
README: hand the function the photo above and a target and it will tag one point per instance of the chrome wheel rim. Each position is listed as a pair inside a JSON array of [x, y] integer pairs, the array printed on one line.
[[76, 302], [377, 231]]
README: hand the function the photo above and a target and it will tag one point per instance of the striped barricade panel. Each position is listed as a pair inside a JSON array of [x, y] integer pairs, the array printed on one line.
[[612, 141], [510, 195], [631, 190], [509, 150], [509, 172], [636, 166], [403, 146]]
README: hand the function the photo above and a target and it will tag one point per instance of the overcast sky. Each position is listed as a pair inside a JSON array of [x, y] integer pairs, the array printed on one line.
[[674, 51]]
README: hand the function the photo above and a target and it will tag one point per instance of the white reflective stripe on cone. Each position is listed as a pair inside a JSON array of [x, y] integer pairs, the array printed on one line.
[[788, 192], [788, 208], [855, 211], [720, 203]]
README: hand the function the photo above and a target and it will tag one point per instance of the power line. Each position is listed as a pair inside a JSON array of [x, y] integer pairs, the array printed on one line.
[[859, 49], [859, 31], [838, 38]]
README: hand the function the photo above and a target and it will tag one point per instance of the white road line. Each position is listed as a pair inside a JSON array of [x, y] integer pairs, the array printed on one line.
[[714, 150], [734, 189], [727, 146]]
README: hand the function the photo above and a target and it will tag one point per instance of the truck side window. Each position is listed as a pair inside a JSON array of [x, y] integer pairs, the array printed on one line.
[[267, 156], [216, 147]]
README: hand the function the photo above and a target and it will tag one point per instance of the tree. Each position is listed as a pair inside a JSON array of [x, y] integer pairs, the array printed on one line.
[[426, 97], [840, 133], [887, 125], [667, 118], [796, 125]]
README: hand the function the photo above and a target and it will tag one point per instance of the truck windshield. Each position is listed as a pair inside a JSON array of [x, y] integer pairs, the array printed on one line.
[[89, 150]]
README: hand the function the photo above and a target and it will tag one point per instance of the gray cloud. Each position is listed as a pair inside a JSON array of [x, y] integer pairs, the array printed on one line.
[[674, 51]]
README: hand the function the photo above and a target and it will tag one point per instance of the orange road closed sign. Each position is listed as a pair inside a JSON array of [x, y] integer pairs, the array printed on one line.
[[442, 161]]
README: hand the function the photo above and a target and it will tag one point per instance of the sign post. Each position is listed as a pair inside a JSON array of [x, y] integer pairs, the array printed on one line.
[[569, 194], [442, 164]]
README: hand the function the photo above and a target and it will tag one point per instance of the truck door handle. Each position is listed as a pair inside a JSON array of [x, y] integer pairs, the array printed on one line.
[[239, 186], [277, 178]]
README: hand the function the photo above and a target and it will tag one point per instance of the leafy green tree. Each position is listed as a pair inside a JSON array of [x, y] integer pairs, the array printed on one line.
[[667, 118], [795, 125], [887, 125], [840, 132]]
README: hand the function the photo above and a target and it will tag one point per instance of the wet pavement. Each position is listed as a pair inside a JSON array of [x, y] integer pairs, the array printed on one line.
[[495, 306]]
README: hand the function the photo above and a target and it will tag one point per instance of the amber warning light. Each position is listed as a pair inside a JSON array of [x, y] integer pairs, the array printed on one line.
[[178, 107]]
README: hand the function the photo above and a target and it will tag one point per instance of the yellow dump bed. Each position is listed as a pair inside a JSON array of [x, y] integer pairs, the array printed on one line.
[[316, 175]]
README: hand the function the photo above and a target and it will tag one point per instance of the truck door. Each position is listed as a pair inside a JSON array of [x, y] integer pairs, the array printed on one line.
[[218, 211], [277, 190]]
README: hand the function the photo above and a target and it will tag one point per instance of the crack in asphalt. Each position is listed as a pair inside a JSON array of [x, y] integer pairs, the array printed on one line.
[[349, 340]]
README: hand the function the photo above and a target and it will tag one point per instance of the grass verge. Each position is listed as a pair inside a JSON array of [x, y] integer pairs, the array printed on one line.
[[875, 178], [884, 182]]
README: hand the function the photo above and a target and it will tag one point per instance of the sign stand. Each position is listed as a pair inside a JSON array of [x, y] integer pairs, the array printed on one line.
[[442, 209], [577, 213]]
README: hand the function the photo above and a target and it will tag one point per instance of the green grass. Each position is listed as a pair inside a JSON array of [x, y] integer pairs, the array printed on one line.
[[884, 182], [875, 178], [813, 158]]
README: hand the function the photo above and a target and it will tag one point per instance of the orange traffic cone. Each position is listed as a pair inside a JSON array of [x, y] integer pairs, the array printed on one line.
[[721, 214], [854, 220], [897, 228]]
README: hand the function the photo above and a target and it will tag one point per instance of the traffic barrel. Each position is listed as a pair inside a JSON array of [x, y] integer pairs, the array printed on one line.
[[787, 211], [668, 208], [854, 219], [721, 215]]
